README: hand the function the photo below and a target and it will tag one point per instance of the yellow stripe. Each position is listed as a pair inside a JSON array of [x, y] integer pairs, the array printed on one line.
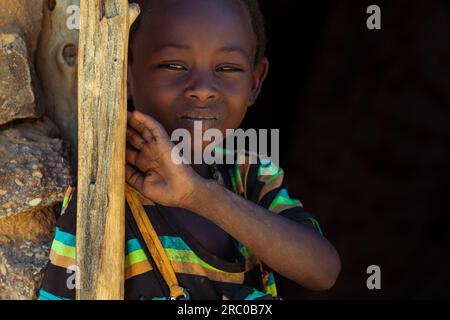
[[61, 261], [137, 269], [63, 250], [270, 186], [197, 270], [272, 289], [135, 257], [187, 256]]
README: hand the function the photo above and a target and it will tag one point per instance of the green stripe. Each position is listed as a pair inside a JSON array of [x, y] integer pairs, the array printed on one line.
[[178, 250], [238, 174], [188, 256], [63, 250], [282, 198], [65, 200], [135, 257], [316, 224], [272, 290], [245, 251]]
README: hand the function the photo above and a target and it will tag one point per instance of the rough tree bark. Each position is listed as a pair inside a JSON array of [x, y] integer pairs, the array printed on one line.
[[102, 113]]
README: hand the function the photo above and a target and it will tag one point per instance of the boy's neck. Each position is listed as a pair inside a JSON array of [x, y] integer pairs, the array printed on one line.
[[201, 169]]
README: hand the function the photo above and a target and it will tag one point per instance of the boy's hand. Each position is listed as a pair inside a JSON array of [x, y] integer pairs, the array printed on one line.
[[158, 178]]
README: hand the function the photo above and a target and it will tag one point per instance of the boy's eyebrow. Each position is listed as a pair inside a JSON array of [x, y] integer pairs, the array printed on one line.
[[172, 45], [235, 49], [230, 48]]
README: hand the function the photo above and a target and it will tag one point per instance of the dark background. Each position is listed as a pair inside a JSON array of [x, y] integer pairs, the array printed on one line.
[[364, 120]]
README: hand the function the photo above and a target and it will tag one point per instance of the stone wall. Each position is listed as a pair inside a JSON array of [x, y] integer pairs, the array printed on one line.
[[34, 170]]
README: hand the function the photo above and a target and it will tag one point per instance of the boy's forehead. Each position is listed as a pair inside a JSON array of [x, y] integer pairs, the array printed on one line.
[[224, 23]]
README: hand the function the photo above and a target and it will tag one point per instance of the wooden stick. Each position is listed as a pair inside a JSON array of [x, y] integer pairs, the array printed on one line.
[[102, 114]]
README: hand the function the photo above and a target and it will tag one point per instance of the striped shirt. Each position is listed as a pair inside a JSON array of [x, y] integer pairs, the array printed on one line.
[[202, 274]]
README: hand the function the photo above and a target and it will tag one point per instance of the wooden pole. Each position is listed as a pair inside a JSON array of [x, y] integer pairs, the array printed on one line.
[[102, 113]]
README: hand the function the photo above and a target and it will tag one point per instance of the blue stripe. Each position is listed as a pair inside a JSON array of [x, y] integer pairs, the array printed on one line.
[[173, 243], [255, 295], [155, 298], [44, 295], [132, 245], [283, 193], [271, 279], [64, 237]]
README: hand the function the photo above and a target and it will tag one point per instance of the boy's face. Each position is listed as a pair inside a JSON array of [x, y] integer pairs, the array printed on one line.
[[194, 60]]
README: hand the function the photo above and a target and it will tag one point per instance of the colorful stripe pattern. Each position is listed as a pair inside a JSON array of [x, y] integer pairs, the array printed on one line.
[[243, 179], [136, 261], [62, 252], [66, 200]]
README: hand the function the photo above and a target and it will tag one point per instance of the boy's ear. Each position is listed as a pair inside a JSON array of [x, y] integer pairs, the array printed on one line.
[[259, 75]]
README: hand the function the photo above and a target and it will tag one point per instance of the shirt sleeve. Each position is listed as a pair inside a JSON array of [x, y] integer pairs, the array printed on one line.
[[266, 185], [59, 276]]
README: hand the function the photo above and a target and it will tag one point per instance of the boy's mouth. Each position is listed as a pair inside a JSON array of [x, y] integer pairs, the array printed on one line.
[[198, 115], [208, 119]]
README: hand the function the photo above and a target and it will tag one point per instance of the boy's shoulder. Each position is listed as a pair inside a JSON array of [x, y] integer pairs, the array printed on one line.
[[261, 180], [251, 174]]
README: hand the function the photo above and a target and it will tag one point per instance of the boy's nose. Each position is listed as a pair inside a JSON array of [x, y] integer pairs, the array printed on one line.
[[202, 89]]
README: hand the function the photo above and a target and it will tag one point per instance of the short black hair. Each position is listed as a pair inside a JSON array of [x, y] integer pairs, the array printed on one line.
[[253, 8]]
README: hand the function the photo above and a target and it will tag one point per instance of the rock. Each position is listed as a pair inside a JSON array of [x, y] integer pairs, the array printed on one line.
[[33, 169], [17, 94], [25, 241], [23, 14], [33, 225], [21, 268]]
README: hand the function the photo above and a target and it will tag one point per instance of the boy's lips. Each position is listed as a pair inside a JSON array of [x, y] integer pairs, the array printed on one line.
[[208, 119], [195, 115]]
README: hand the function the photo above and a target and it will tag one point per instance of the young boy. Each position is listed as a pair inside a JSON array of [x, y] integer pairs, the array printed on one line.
[[202, 60]]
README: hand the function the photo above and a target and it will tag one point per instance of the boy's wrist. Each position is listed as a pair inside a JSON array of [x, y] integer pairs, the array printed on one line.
[[204, 190]]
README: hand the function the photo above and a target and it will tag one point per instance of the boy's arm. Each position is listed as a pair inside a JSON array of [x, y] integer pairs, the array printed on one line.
[[294, 250]]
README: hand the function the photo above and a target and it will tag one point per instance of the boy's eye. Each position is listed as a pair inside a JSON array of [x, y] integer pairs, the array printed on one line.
[[229, 69], [172, 66]]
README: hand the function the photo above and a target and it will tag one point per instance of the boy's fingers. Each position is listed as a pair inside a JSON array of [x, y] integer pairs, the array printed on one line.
[[140, 128], [131, 157], [135, 139], [154, 126], [134, 178]]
